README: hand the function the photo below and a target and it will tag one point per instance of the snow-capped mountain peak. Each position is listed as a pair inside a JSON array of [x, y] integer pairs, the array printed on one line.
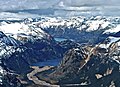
[[21, 31]]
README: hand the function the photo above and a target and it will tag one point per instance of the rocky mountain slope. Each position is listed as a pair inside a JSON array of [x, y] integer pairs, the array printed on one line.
[[86, 30], [88, 66], [91, 47], [22, 45]]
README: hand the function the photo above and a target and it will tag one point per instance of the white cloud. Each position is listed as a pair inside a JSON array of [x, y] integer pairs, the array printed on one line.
[[91, 2], [25, 4], [36, 4]]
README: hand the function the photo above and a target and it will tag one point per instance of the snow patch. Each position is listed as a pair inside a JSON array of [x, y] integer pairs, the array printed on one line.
[[113, 30]]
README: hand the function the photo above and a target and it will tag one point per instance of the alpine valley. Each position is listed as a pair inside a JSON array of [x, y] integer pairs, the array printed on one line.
[[60, 52]]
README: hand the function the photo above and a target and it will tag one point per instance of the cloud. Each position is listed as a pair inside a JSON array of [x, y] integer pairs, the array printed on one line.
[[91, 2], [25, 4], [36, 4]]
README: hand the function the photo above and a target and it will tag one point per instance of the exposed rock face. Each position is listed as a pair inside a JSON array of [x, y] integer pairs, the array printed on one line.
[[71, 62], [68, 44], [80, 66]]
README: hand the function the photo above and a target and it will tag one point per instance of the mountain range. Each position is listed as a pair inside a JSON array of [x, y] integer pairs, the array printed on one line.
[[87, 49]]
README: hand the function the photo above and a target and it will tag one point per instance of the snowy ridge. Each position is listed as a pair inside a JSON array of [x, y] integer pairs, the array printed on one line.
[[34, 28], [8, 40], [80, 23], [22, 32], [86, 30], [113, 30]]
